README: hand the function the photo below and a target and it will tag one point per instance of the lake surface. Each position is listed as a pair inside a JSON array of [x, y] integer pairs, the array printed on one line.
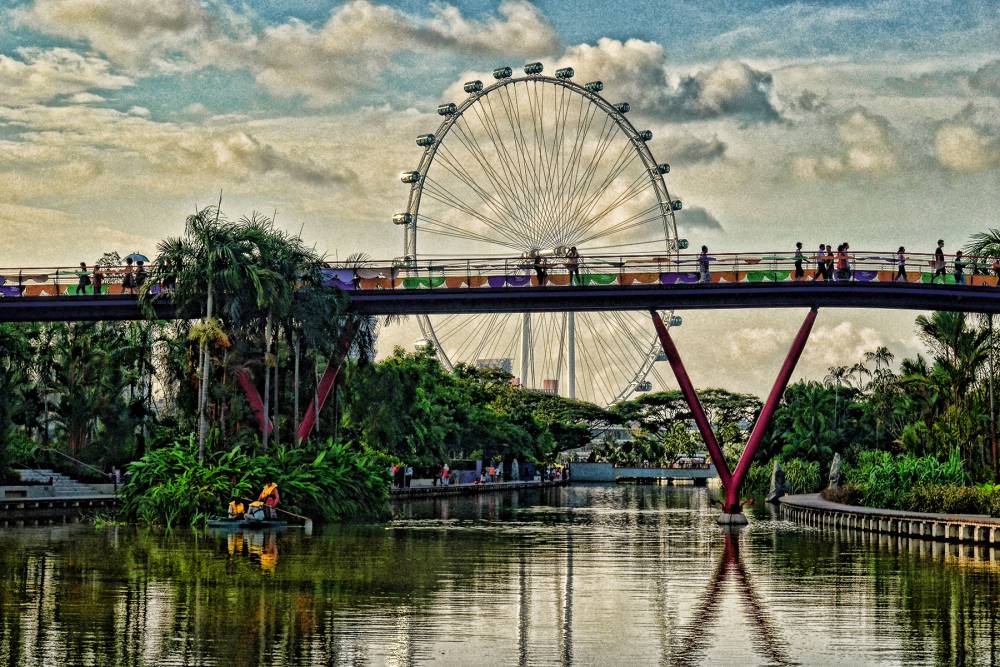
[[590, 575]]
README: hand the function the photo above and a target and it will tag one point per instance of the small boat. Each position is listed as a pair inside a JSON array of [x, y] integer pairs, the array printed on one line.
[[246, 524]]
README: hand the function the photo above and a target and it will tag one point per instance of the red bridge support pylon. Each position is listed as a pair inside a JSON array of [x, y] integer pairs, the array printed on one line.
[[732, 510]]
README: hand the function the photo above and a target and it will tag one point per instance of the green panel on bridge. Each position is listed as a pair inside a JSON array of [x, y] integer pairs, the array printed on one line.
[[761, 276], [417, 283], [947, 279], [71, 290], [600, 278]]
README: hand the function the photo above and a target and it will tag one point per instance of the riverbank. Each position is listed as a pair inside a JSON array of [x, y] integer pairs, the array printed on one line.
[[812, 510], [468, 489]]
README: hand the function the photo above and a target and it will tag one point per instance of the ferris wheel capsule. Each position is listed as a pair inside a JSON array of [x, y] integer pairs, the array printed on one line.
[[683, 244], [502, 73], [425, 140], [644, 386], [663, 168], [533, 68], [449, 109], [402, 219], [676, 320], [565, 73], [409, 176], [676, 205], [473, 86], [646, 135], [594, 86], [623, 107]]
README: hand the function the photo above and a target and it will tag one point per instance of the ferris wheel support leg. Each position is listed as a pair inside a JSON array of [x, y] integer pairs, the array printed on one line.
[[691, 396], [525, 347], [571, 354]]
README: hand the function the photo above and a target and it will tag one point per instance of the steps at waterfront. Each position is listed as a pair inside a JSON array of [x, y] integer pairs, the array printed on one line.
[[61, 484]]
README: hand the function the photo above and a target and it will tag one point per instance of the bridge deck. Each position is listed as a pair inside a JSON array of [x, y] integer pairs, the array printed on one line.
[[901, 296]]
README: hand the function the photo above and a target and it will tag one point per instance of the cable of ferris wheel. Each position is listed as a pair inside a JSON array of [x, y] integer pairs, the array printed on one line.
[[579, 193], [432, 194], [518, 170], [454, 165], [637, 187], [436, 191], [447, 229], [514, 208], [580, 216]]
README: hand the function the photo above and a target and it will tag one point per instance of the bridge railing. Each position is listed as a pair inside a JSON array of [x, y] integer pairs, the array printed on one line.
[[505, 272]]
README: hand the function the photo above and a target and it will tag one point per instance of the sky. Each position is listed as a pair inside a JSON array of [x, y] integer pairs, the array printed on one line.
[[872, 122]]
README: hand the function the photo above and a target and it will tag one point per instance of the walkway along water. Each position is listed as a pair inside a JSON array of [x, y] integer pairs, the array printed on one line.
[[811, 509]]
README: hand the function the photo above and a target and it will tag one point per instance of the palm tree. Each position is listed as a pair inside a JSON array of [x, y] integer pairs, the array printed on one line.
[[836, 376], [880, 356]]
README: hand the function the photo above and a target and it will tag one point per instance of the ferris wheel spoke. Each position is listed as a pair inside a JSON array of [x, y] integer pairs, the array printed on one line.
[[446, 198], [510, 105], [583, 184], [634, 189], [511, 205], [442, 228]]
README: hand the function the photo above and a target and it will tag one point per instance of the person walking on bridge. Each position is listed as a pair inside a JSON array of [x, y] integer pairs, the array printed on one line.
[[799, 271], [84, 279], [820, 263], [959, 268], [98, 279], [540, 268], [938, 261], [573, 265], [703, 265], [900, 265]]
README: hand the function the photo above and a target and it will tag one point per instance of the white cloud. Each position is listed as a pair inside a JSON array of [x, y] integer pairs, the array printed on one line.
[[987, 78], [38, 75], [360, 40], [961, 146], [866, 146]]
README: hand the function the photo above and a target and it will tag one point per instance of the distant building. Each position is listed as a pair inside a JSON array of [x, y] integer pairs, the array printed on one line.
[[505, 364], [550, 386]]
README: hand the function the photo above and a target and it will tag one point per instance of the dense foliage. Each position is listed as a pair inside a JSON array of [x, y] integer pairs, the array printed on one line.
[[170, 486]]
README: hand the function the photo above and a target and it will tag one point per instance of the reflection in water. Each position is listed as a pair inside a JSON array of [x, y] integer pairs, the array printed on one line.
[[586, 574]]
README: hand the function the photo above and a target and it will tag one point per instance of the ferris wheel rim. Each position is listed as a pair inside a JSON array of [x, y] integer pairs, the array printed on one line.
[[659, 186]]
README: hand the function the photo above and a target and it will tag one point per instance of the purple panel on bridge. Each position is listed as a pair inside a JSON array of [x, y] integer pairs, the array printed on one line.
[[865, 276], [10, 290], [339, 278], [497, 281], [518, 281], [671, 278]]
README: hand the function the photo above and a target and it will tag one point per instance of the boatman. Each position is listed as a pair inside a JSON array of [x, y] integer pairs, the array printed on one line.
[[269, 499]]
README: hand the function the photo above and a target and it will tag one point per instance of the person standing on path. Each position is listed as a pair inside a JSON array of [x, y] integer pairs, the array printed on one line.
[[128, 278], [842, 273], [938, 261], [573, 265], [407, 476], [799, 271], [900, 265], [703, 265], [828, 262]]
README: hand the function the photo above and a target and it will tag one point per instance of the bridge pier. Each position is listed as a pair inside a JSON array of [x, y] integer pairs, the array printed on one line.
[[732, 508]]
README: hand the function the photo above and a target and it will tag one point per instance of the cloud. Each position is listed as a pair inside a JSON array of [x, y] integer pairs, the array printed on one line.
[[133, 33], [685, 148], [361, 39], [866, 146], [987, 78], [39, 75], [698, 219], [636, 71], [964, 144], [241, 155]]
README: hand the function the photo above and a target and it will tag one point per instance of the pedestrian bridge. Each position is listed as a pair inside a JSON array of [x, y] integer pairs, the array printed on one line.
[[492, 285]]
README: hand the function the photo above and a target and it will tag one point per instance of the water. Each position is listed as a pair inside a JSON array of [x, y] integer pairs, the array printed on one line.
[[593, 575]]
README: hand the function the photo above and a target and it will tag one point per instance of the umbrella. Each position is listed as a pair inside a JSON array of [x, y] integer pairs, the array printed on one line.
[[138, 257]]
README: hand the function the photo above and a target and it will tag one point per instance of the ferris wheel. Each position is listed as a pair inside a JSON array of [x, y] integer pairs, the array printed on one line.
[[531, 166]]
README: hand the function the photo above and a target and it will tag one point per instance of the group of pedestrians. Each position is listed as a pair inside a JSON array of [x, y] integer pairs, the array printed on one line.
[[572, 264], [401, 475], [133, 276]]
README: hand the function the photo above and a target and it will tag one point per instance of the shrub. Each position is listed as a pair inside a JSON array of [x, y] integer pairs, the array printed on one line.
[[803, 476], [949, 499], [885, 480], [845, 495], [170, 487]]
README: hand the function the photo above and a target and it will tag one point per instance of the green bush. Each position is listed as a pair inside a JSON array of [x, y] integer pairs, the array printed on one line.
[[170, 487], [950, 499], [801, 475], [845, 495], [885, 481]]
